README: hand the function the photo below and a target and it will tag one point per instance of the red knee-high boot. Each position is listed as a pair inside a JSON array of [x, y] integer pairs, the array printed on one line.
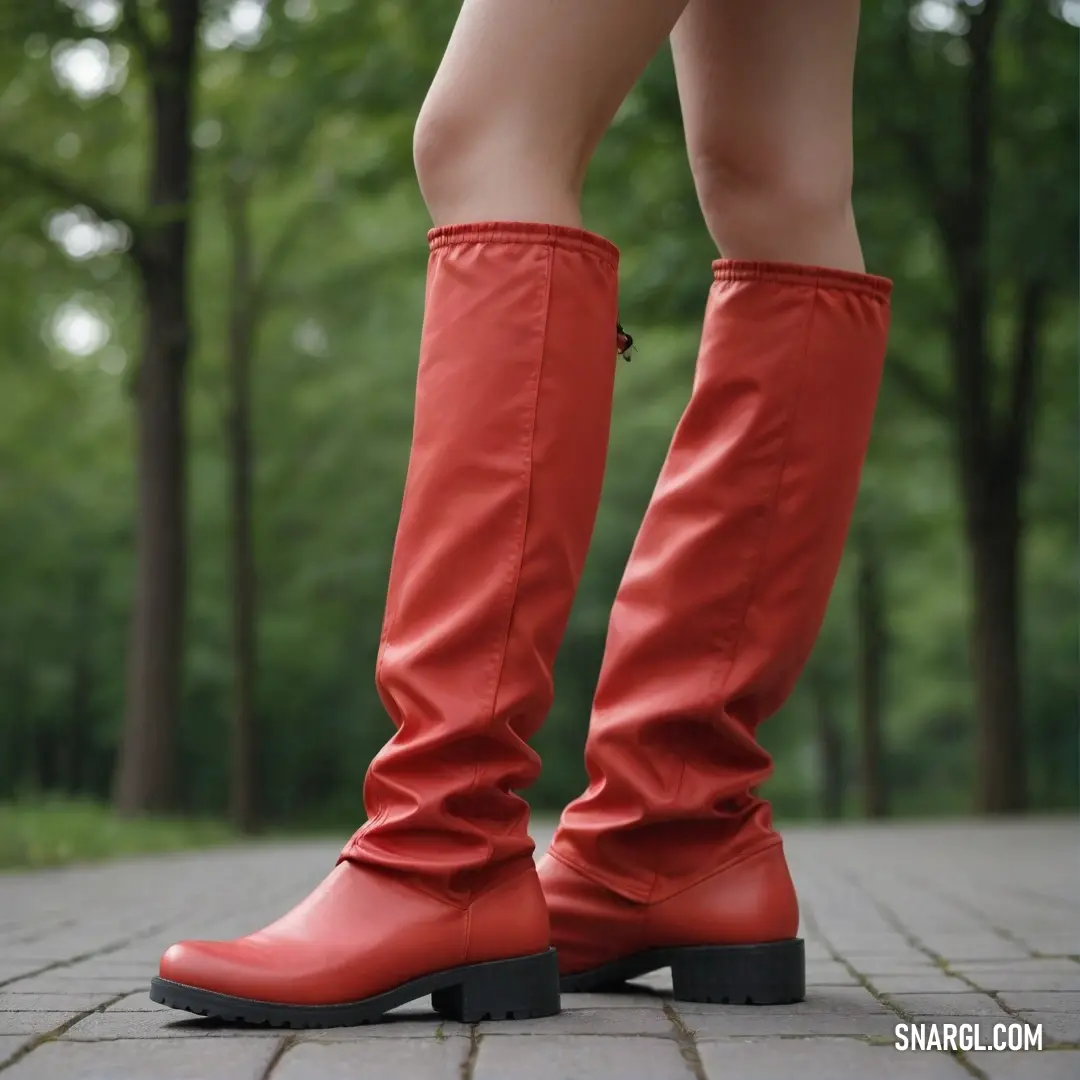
[[669, 858], [437, 893]]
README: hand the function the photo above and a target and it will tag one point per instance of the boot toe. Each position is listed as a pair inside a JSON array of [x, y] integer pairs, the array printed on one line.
[[211, 965]]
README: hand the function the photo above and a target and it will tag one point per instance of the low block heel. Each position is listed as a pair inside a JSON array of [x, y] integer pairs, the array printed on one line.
[[523, 988], [773, 973]]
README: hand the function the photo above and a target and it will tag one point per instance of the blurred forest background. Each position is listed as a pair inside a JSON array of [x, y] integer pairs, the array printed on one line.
[[212, 253]]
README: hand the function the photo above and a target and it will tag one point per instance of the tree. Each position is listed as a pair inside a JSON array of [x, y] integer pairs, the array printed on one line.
[[242, 577], [144, 777], [871, 645], [299, 385], [820, 684], [165, 40], [251, 283], [993, 188], [266, 132]]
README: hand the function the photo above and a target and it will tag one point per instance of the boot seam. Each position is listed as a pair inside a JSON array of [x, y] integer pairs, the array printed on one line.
[[482, 892], [775, 841], [770, 531], [485, 889], [590, 875], [646, 899], [770, 527], [404, 878], [518, 556], [529, 446], [785, 458]]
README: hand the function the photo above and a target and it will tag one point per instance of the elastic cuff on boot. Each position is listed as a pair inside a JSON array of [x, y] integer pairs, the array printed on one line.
[[823, 277], [524, 232]]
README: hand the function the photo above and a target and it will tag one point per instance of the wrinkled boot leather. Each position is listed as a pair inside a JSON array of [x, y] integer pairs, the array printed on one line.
[[669, 857], [438, 894]]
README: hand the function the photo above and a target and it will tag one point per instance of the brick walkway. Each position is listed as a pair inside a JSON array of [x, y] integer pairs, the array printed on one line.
[[958, 923]]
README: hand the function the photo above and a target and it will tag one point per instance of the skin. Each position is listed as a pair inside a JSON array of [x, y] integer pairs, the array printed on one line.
[[524, 93], [766, 95], [527, 88]]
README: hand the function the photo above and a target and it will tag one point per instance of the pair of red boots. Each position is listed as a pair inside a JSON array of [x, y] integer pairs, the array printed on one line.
[[668, 859]]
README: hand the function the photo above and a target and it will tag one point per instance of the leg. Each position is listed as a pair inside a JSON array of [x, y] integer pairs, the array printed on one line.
[[766, 99], [522, 97], [669, 858], [437, 893]]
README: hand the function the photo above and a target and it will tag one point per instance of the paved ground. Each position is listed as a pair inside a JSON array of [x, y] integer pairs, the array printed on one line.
[[931, 924]]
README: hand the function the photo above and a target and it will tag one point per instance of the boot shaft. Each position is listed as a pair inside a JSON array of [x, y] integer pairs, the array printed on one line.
[[510, 437], [729, 578]]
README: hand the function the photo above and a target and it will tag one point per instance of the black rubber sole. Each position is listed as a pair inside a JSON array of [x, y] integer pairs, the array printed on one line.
[[773, 973], [518, 989]]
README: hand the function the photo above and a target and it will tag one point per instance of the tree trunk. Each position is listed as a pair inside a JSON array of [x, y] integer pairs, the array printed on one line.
[[994, 542], [144, 781], [25, 771], [993, 460], [831, 744], [242, 581], [145, 767], [992, 444], [992, 453], [871, 664], [76, 746]]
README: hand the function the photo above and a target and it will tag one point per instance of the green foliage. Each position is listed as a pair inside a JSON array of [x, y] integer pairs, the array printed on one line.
[[50, 832], [314, 118]]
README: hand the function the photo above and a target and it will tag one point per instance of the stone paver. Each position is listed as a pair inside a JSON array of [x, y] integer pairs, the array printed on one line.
[[1004, 979], [581, 1057], [1059, 1029], [154, 1025], [10, 1044], [1042, 1002], [649, 1021], [826, 1059], [932, 981], [30, 1023], [238, 1059], [824, 1001], [71, 1004], [972, 1004], [748, 1023], [432, 1059], [1058, 1065], [829, 973], [949, 924]]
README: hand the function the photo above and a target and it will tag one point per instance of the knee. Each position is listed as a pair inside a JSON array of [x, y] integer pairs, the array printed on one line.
[[764, 202], [477, 161]]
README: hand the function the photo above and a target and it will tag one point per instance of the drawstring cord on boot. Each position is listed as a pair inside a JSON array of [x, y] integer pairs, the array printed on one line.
[[624, 342]]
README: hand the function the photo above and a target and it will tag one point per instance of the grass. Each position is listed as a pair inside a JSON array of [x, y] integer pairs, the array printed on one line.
[[50, 832]]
